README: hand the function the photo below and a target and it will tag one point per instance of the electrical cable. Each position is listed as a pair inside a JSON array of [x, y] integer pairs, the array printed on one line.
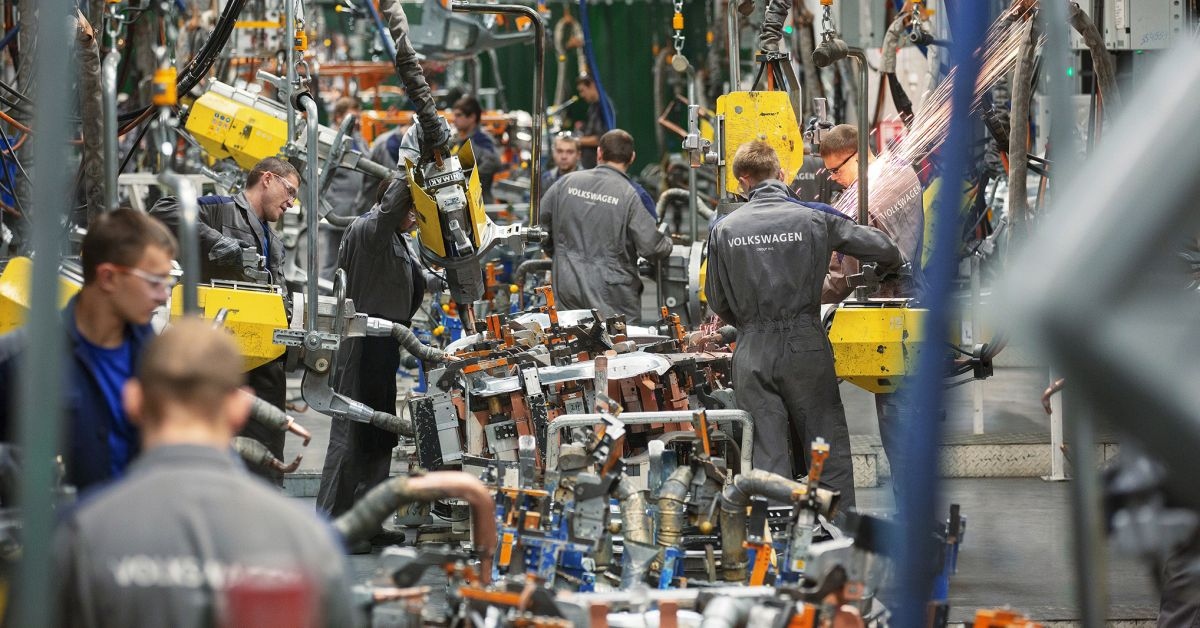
[[12, 181], [12, 90], [198, 67], [132, 149]]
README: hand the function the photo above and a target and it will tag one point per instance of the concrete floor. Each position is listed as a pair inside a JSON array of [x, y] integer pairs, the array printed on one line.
[[1016, 551]]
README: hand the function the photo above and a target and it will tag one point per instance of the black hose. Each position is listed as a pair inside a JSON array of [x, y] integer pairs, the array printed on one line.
[[408, 68], [395, 424], [772, 28], [198, 67], [414, 346], [530, 266], [1101, 60]]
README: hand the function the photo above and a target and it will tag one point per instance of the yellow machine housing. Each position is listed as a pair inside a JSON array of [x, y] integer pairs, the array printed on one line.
[[875, 344], [15, 281], [429, 220], [231, 122], [767, 116], [254, 312]]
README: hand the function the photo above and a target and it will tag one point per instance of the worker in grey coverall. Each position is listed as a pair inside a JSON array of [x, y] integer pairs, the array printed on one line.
[[766, 262], [385, 281], [597, 227], [895, 207], [188, 538]]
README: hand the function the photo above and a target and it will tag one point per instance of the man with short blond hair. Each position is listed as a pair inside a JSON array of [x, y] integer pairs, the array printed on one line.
[[766, 262], [188, 530]]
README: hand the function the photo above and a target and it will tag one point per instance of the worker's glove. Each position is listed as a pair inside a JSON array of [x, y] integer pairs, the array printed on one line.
[[646, 268], [228, 252], [254, 266]]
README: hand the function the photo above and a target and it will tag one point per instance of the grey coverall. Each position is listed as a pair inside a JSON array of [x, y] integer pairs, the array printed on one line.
[[227, 225], [384, 279], [597, 228], [165, 546], [766, 262], [899, 211]]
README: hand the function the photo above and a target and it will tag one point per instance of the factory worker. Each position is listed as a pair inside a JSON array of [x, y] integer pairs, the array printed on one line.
[[237, 242], [895, 208], [766, 262], [189, 537], [597, 226], [126, 259]]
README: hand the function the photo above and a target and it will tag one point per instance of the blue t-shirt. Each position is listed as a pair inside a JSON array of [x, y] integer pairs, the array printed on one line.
[[113, 367]]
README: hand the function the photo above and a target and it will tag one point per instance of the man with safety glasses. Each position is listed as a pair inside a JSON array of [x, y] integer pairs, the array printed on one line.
[[126, 277], [237, 243], [895, 207]]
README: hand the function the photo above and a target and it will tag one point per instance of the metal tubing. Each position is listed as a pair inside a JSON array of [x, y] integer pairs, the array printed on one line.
[[109, 85], [40, 377], [91, 113], [672, 506], [635, 518], [1088, 541], [645, 418], [539, 90], [693, 206], [189, 238], [733, 42], [1018, 135], [863, 209], [734, 501], [363, 520], [310, 210], [290, 60]]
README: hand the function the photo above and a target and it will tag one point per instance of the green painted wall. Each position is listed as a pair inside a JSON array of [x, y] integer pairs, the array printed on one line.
[[624, 35]]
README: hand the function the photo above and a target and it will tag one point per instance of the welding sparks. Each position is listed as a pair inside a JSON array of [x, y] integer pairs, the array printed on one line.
[[931, 122]]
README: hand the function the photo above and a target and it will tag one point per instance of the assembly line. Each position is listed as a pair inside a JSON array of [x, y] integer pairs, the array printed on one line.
[[693, 313]]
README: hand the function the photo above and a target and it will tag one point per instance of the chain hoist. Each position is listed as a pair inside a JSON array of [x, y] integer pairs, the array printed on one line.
[[677, 24], [827, 29]]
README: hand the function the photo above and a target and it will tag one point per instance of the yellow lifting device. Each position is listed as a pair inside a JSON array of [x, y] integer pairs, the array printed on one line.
[[252, 313]]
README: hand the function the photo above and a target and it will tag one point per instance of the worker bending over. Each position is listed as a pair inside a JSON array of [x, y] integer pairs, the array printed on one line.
[[384, 279], [895, 207], [766, 262], [597, 226], [126, 276], [189, 538], [237, 243]]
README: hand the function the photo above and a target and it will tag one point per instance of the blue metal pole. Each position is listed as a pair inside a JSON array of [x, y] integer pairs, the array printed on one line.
[[41, 376], [917, 550]]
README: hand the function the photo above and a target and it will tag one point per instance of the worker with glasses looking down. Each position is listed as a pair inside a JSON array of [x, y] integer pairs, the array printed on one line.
[[237, 243]]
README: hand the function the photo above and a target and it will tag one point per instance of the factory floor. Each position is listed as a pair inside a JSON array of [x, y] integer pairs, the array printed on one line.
[[1016, 551]]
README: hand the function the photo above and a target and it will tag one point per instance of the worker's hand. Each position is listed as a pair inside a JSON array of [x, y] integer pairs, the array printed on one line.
[[702, 341], [227, 252]]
